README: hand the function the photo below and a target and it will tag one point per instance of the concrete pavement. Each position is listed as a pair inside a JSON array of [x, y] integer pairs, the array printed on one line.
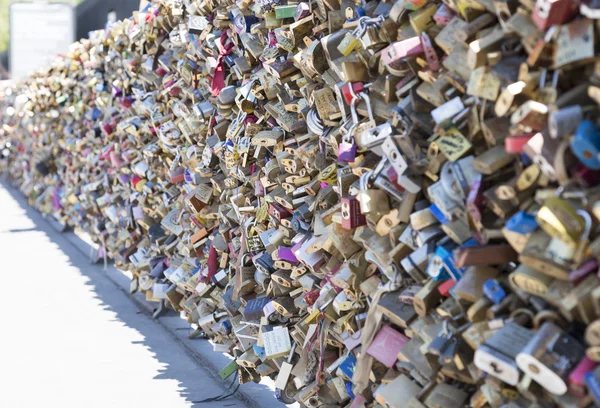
[[73, 337]]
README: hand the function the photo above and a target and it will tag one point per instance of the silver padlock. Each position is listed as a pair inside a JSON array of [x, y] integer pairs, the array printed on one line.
[[372, 139], [372, 200]]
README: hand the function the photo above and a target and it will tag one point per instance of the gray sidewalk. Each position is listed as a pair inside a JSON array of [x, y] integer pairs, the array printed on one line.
[[73, 336]]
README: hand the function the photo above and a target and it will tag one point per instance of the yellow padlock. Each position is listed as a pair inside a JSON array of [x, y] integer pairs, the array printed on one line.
[[348, 44], [560, 220], [422, 19]]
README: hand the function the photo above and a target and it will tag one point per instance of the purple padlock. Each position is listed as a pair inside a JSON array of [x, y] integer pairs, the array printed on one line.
[[346, 152], [347, 149]]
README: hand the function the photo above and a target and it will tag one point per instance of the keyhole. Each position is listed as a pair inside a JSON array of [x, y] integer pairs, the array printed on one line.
[[495, 367]]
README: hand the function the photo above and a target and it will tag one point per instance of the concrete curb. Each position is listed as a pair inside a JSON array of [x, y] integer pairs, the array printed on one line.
[[254, 395]]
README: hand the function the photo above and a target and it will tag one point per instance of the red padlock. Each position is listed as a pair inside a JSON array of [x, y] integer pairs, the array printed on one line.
[[586, 176], [514, 144], [107, 129], [433, 63], [475, 200], [351, 215], [177, 175], [445, 287], [393, 178], [357, 87], [278, 212], [553, 12]]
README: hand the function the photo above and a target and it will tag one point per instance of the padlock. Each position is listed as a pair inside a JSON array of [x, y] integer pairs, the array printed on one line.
[[547, 13], [518, 230], [586, 144], [547, 255], [565, 121], [560, 220], [549, 356], [347, 149], [349, 43], [441, 265], [531, 114], [351, 90], [351, 214], [401, 50], [510, 98], [373, 138], [372, 201], [493, 291], [497, 355], [547, 95], [430, 54], [443, 15], [416, 263], [363, 127]]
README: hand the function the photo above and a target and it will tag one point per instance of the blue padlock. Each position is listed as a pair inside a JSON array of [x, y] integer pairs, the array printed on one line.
[[522, 223], [493, 291], [455, 272], [441, 266], [188, 175], [223, 327], [349, 390], [348, 366], [586, 144], [438, 214], [96, 113], [593, 385], [260, 352], [437, 267], [526, 160]]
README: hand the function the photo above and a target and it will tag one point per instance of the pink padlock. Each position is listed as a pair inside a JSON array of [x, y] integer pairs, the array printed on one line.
[[576, 380], [107, 129], [401, 50], [443, 15], [130, 155], [115, 159], [410, 48], [433, 63]]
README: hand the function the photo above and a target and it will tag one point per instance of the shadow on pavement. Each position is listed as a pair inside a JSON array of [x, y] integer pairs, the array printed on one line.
[[195, 381]]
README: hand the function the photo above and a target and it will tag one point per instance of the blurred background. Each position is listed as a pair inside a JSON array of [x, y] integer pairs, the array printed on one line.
[[45, 27]]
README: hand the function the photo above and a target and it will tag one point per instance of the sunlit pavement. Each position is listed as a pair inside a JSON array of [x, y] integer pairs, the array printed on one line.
[[70, 337]]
